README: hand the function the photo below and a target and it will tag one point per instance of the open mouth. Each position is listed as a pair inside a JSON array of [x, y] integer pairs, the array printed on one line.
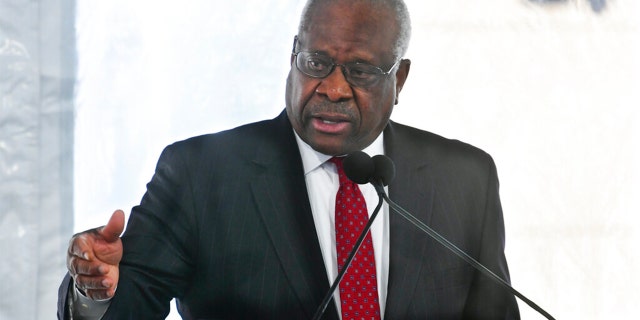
[[330, 124]]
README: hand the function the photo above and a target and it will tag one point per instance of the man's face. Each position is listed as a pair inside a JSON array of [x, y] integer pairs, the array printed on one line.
[[329, 114]]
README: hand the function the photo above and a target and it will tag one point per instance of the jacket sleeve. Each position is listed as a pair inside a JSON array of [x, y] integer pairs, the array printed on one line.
[[158, 244], [487, 299], [63, 294]]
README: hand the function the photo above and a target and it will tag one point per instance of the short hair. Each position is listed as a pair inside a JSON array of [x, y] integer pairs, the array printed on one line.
[[403, 20]]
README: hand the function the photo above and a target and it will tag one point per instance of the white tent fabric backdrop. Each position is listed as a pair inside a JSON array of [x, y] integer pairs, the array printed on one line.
[[37, 75], [551, 91]]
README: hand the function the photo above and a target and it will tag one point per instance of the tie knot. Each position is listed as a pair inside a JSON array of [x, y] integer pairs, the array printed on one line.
[[338, 162]]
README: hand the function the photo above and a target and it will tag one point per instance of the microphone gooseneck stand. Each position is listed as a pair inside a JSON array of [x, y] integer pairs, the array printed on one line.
[[379, 172], [457, 251]]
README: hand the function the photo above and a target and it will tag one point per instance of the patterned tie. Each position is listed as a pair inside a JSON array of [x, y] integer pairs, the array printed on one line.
[[359, 287]]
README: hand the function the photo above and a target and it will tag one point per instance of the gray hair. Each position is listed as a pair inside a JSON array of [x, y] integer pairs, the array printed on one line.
[[398, 6]]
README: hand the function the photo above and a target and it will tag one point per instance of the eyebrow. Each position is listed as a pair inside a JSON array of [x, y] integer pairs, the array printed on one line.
[[298, 43], [356, 60]]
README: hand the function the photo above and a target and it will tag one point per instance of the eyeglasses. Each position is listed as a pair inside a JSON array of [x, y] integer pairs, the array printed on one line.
[[358, 74]]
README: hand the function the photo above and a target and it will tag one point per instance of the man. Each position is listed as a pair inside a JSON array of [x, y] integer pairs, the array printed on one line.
[[239, 224]]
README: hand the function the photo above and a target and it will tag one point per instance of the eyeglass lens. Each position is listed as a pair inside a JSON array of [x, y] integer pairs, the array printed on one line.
[[319, 66]]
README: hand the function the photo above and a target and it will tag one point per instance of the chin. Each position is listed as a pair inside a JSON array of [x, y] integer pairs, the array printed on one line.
[[331, 150]]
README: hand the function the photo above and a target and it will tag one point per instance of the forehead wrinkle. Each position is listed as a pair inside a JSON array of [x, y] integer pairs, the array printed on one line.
[[348, 34], [344, 55], [360, 47]]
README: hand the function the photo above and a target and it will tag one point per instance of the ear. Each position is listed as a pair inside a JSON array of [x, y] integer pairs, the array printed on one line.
[[293, 50], [401, 76]]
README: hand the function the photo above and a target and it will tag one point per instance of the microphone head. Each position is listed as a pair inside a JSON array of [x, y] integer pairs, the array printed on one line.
[[384, 169], [358, 167]]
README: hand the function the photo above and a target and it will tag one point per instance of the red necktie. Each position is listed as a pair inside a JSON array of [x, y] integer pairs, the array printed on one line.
[[359, 287]]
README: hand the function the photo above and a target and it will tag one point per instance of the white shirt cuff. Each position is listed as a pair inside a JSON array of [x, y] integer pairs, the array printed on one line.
[[82, 307]]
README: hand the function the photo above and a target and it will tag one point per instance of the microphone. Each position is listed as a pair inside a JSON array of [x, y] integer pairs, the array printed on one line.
[[358, 167], [384, 170], [361, 169], [382, 173]]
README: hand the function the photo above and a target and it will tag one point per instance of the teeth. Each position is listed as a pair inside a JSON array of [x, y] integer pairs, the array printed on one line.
[[329, 122]]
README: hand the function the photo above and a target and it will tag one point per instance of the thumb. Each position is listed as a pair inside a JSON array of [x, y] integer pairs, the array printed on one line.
[[111, 232]]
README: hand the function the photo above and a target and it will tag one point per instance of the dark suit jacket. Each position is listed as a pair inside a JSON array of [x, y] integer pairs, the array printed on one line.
[[226, 227]]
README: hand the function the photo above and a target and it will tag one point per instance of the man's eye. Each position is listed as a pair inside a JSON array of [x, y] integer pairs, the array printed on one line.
[[361, 73], [317, 64]]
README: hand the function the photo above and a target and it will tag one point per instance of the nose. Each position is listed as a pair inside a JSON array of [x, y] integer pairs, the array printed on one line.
[[335, 86]]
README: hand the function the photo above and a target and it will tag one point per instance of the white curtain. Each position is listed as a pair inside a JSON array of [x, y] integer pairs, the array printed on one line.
[[37, 75]]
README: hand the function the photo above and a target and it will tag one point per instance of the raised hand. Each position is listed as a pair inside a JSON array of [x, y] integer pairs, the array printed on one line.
[[94, 256]]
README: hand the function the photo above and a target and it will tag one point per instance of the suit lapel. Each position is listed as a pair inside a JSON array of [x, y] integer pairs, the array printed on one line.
[[283, 202], [412, 190]]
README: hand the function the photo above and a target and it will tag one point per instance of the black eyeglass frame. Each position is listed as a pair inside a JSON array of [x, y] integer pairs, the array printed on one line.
[[346, 68]]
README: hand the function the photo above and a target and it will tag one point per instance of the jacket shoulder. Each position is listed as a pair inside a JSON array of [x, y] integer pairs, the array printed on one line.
[[242, 141], [405, 140]]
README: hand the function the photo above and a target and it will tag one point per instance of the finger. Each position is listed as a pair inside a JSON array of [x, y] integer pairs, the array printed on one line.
[[111, 232], [86, 283], [82, 267], [100, 294], [79, 245]]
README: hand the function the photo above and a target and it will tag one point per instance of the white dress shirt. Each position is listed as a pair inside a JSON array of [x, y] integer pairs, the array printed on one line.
[[322, 185]]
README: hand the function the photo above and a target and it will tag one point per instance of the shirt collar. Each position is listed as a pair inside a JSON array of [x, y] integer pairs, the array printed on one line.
[[312, 159]]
